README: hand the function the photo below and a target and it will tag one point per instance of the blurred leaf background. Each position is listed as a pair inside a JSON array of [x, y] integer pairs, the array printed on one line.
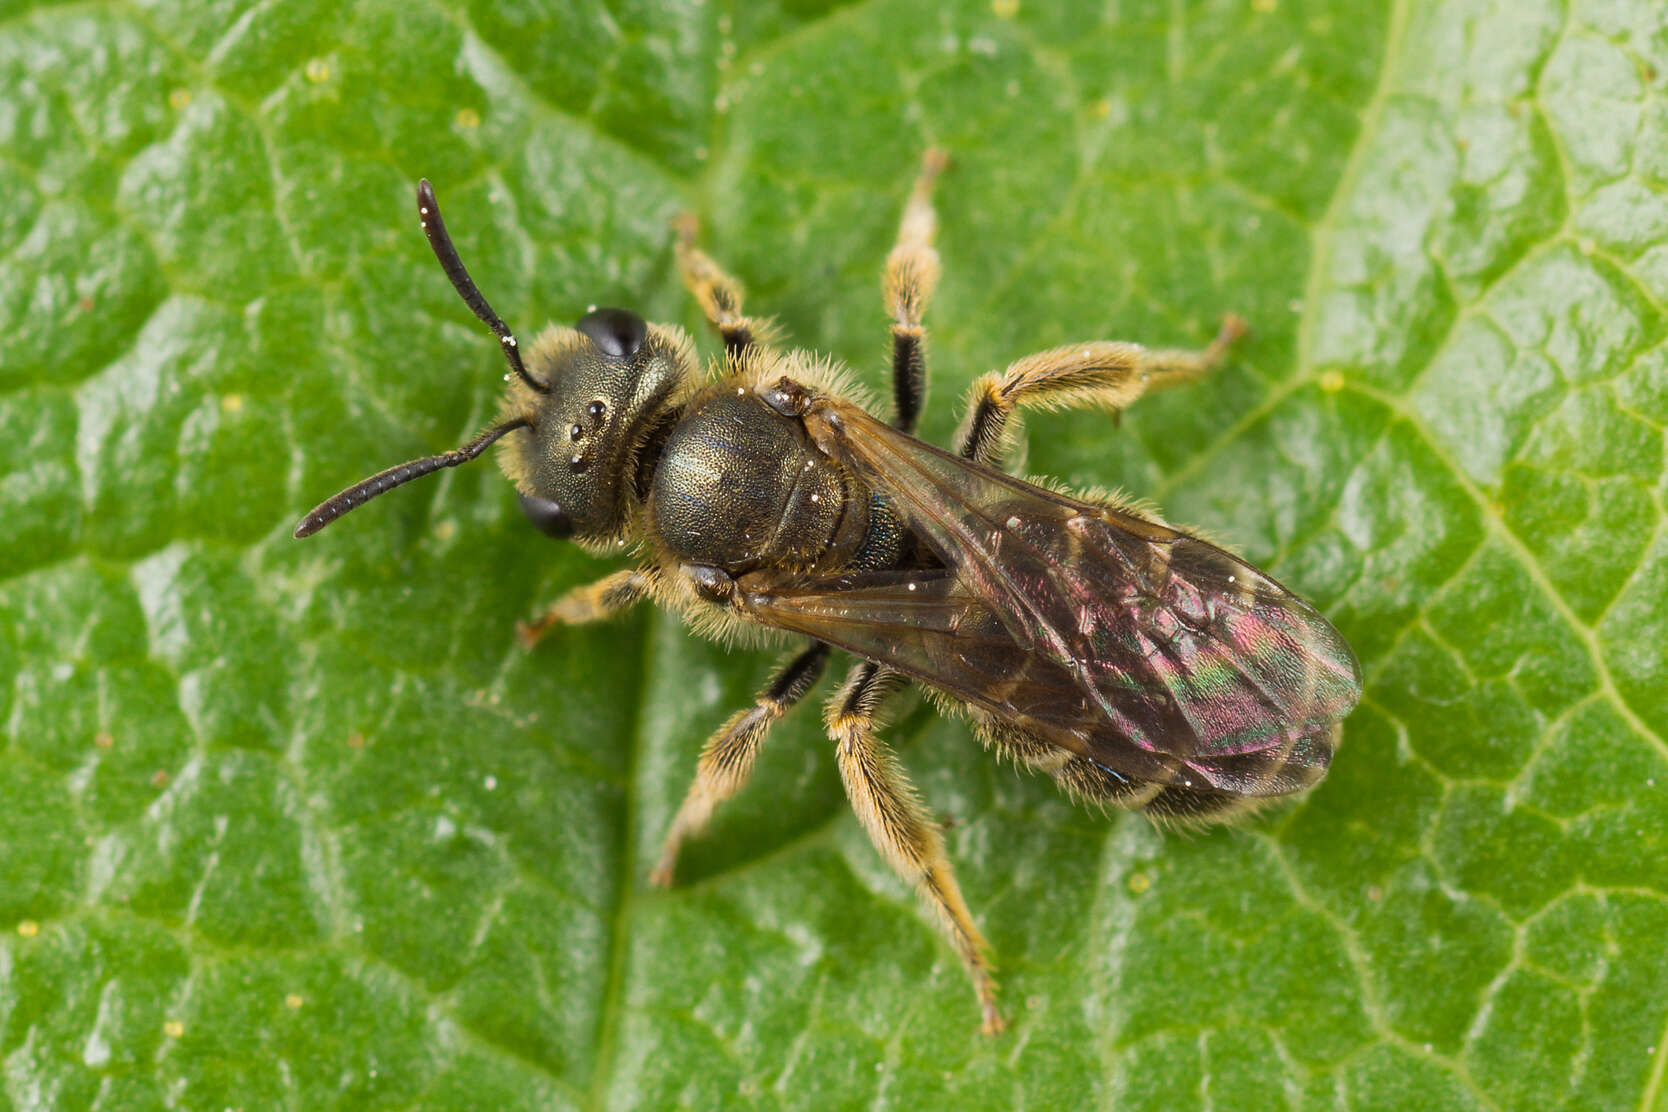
[[299, 825]]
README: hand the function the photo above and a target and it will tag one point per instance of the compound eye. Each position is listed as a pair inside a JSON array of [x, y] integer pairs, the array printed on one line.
[[616, 332], [547, 517]]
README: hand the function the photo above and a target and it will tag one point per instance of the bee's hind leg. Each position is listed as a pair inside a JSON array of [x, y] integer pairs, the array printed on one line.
[[899, 826], [911, 276], [590, 603], [1108, 374], [727, 760]]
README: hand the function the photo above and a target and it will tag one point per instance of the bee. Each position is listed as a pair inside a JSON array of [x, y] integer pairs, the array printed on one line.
[[1134, 662]]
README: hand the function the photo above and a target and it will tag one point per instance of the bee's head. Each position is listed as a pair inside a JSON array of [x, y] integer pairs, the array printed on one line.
[[595, 398], [613, 383]]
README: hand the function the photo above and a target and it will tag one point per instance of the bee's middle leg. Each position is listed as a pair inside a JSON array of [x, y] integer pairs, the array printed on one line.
[[899, 826], [911, 276], [1110, 374], [727, 760]]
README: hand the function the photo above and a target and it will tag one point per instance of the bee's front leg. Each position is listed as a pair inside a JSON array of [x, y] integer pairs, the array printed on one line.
[[718, 294], [590, 603]]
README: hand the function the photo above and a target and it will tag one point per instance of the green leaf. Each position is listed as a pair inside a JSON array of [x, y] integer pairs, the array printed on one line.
[[299, 825]]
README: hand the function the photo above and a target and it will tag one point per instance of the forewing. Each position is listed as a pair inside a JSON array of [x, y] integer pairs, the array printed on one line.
[[1183, 655], [927, 625]]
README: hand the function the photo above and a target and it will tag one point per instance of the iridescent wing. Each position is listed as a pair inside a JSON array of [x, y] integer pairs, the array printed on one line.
[[1153, 653]]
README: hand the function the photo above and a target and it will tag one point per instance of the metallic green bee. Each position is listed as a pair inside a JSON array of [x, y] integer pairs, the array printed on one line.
[[1135, 663]]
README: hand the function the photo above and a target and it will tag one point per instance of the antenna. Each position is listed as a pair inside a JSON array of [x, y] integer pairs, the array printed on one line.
[[384, 481], [428, 214]]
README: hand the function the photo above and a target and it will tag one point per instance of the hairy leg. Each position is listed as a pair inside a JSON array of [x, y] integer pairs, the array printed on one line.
[[1107, 374], [718, 294], [590, 603], [911, 276], [727, 760], [899, 826]]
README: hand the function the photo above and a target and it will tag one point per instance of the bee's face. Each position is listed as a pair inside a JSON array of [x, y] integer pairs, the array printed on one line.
[[613, 380]]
